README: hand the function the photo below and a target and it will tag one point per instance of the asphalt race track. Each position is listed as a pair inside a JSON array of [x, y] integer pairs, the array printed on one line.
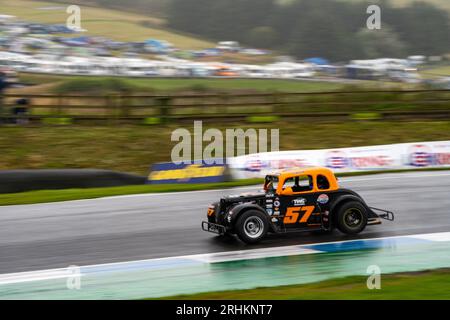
[[44, 236]]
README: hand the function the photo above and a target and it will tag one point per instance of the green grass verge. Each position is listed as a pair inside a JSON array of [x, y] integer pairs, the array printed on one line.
[[44, 196], [409, 286], [95, 85], [263, 119], [57, 121], [366, 116]]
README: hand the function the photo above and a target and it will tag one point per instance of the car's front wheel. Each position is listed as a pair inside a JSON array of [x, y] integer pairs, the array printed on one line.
[[351, 217], [251, 226]]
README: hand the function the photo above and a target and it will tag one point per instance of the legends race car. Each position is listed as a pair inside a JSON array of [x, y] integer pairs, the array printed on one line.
[[307, 199]]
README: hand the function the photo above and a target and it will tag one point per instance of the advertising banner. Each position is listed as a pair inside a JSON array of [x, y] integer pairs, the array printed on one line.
[[162, 173], [370, 158]]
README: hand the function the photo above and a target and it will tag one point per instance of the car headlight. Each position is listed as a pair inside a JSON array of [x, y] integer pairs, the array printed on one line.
[[211, 211]]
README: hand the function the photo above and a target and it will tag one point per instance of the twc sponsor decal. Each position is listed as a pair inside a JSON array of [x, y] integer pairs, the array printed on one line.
[[299, 202]]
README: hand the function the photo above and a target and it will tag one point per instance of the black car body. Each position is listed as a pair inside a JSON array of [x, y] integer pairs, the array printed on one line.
[[312, 201]]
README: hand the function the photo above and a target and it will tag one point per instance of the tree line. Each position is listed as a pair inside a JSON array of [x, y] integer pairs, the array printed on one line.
[[309, 28]]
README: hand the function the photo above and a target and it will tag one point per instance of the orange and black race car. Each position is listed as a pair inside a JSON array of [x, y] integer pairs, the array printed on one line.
[[308, 199]]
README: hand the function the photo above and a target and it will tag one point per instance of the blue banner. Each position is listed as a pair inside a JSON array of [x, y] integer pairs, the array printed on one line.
[[169, 172]]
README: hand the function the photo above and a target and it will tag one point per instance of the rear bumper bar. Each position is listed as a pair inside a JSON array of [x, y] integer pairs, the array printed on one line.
[[383, 214], [373, 221]]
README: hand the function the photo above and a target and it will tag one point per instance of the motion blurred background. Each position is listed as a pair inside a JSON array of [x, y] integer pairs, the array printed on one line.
[[83, 109], [109, 94]]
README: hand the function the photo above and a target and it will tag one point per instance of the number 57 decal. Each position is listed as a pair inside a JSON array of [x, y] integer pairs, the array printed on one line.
[[292, 214]]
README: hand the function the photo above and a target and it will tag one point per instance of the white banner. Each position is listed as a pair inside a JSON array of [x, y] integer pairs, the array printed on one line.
[[384, 157]]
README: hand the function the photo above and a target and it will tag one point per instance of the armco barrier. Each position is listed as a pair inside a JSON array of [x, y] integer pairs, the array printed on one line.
[[360, 159], [27, 180]]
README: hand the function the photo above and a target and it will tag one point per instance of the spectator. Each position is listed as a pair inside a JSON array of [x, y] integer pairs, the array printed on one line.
[[21, 111], [3, 85]]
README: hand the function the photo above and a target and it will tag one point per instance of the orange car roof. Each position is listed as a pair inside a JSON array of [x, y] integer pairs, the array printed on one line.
[[304, 170]]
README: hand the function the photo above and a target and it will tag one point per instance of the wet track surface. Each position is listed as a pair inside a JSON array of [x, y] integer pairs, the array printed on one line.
[[137, 227]]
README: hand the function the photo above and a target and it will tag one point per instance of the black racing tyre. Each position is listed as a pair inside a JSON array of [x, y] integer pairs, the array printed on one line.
[[351, 217], [251, 226]]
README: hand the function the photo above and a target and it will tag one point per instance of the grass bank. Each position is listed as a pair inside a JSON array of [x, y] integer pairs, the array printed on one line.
[[424, 285], [102, 84], [132, 148], [161, 84]]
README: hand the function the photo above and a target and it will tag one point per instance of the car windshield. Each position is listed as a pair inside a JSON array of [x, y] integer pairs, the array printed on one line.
[[271, 183]]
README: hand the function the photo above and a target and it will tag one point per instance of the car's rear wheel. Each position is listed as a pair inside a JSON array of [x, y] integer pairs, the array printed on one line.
[[351, 217], [251, 226]]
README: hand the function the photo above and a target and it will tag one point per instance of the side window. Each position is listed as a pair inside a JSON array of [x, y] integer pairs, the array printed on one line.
[[290, 182], [322, 182], [304, 183], [299, 184]]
